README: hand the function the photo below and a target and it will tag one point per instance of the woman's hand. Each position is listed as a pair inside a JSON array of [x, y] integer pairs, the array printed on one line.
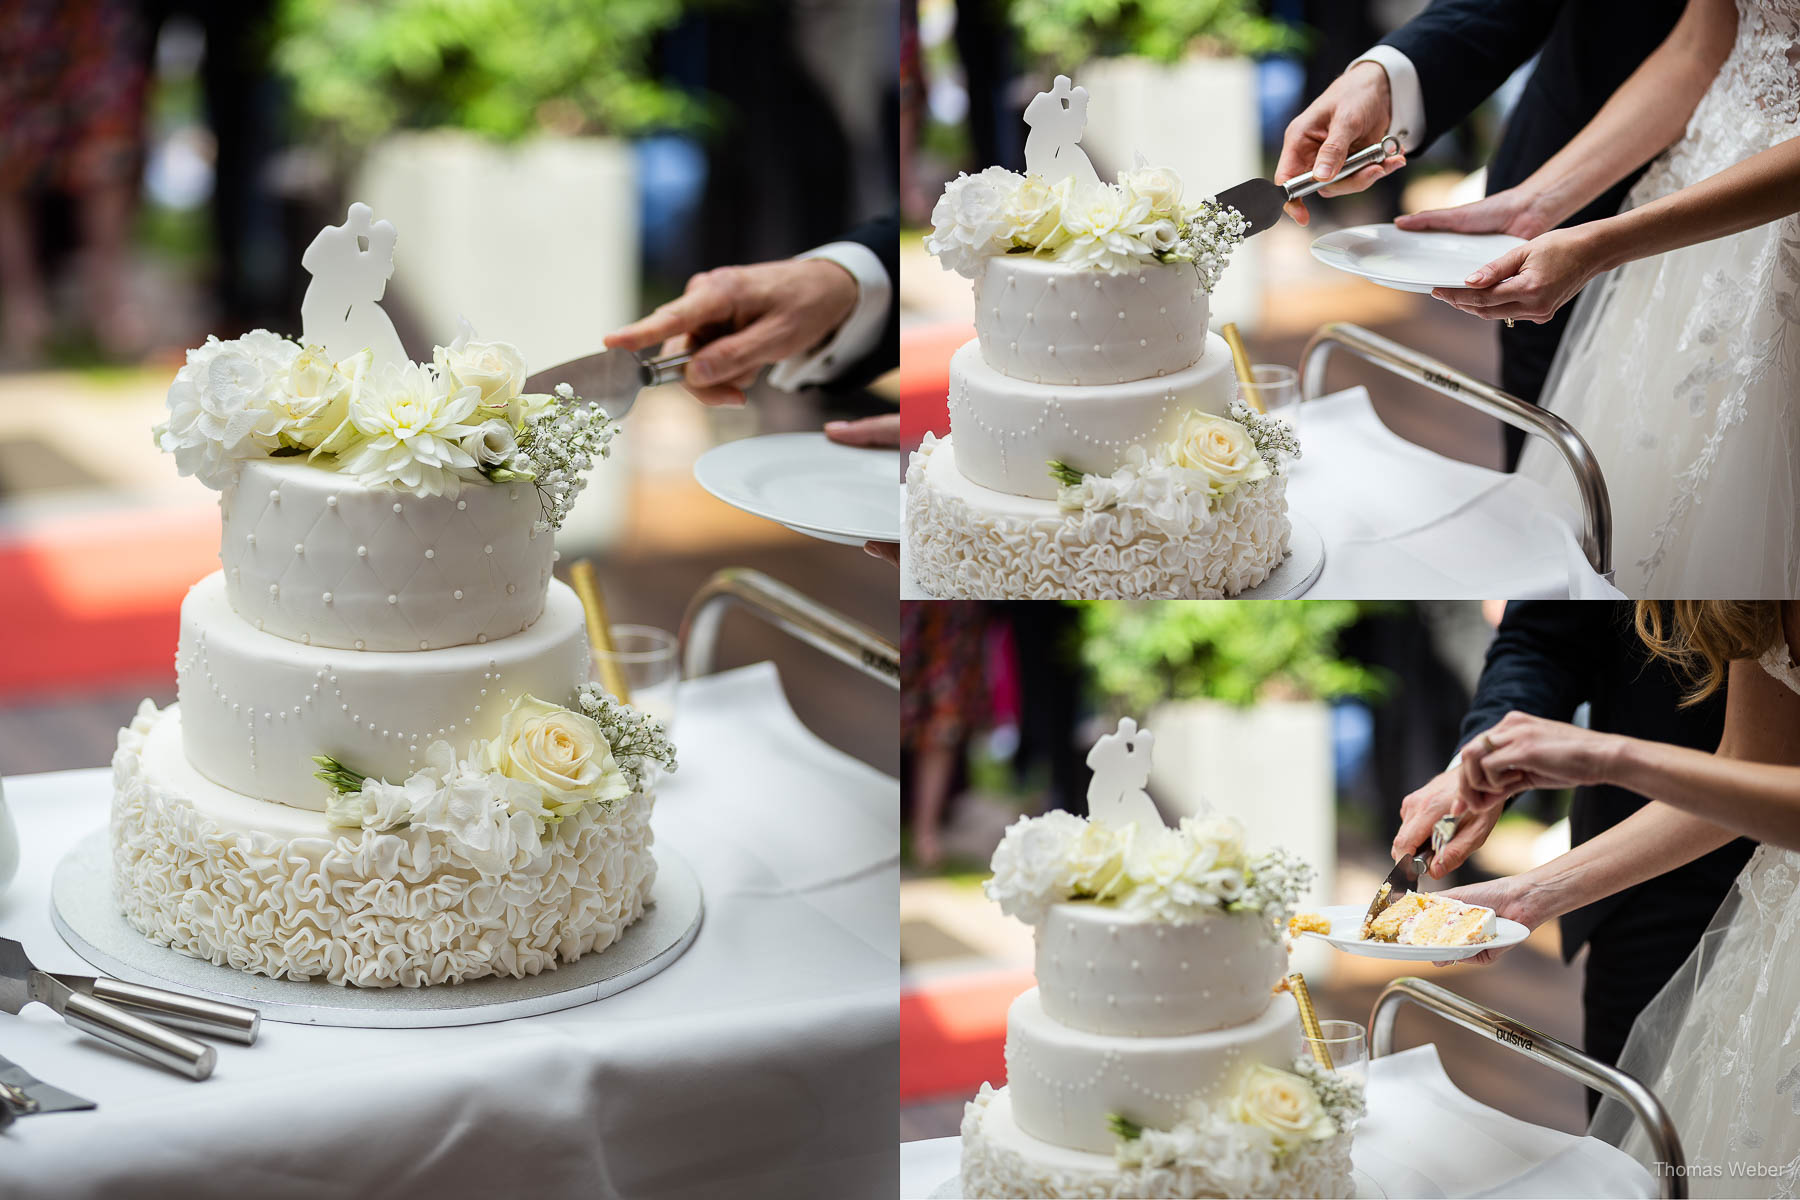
[[1524, 752], [881, 432], [1516, 211], [1530, 282], [1509, 896]]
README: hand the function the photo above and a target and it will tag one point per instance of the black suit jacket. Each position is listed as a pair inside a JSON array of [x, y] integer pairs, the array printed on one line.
[[1547, 658], [1465, 49], [882, 237]]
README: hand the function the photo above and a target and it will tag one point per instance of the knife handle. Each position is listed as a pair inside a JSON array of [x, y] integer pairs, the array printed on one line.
[[173, 1010], [667, 369], [1305, 185], [1442, 832], [164, 1047]]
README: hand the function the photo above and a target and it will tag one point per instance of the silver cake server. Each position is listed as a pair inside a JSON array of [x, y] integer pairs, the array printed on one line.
[[22, 984], [22, 1094], [173, 1010], [1260, 200], [612, 378], [1410, 869]]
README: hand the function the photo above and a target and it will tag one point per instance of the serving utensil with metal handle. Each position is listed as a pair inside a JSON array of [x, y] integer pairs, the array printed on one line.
[[612, 378], [1260, 200], [1410, 869], [97, 1018], [172, 1010]]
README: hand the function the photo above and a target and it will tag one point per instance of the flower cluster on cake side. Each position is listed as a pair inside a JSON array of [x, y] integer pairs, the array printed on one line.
[[424, 428]]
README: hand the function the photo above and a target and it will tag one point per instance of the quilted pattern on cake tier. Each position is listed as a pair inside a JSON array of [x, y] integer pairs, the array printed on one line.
[[1042, 322], [316, 558]]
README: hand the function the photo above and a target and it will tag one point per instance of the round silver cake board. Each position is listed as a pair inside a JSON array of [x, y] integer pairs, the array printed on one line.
[[1365, 1185], [82, 908], [1291, 578]]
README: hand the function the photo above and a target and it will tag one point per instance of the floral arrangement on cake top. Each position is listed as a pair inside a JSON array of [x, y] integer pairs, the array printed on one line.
[[547, 763], [1209, 457], [425, 428], [1113, 228], [1269, 1122]]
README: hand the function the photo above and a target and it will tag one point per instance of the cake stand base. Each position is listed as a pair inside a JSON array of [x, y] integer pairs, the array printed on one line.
[[83, 911]]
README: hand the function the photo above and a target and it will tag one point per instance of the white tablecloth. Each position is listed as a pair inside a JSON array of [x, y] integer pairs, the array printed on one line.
[[1400, 520], [1422, 1138], [763, 1063]]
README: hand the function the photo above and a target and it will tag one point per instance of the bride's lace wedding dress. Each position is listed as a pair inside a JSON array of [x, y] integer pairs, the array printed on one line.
[[1720, 1044], [1683, 370]]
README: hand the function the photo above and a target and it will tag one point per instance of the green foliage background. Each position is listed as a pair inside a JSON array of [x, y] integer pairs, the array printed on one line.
[[1234, 651], [500, 68], [1068, 33]]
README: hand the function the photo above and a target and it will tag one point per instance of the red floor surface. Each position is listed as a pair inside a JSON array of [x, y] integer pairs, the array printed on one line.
[[953, 1032], [95, 598], [925, 380]]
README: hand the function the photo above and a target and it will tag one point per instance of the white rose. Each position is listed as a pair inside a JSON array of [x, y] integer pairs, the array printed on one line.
[[1099, 858], [1159, 186], [1031, 866], [1282, 1103], [971, 219], [1033, 211], [411, 424], [561, 752], [491, 444], [1219, 449], [1163, 236], [315, 400], [223, 404], [496, 370]]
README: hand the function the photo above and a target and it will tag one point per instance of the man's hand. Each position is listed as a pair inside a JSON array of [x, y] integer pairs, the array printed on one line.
[[741, 319], [881, 433], [1516, 210], [1422, 809], [1355, 111]]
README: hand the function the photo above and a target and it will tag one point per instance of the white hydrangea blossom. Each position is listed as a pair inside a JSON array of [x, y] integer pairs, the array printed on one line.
[[973, 219], [222, 405]]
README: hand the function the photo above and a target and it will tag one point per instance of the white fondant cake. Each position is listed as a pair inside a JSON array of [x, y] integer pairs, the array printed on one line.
[[1155, 1057], [1100, 450], [388, 766]]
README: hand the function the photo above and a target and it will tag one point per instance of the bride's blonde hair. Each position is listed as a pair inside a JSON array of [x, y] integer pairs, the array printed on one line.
[[1701, 637]]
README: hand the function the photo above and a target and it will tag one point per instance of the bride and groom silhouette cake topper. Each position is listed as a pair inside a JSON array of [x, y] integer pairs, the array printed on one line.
[[1057, 119], [350, 265], [1121, 765]]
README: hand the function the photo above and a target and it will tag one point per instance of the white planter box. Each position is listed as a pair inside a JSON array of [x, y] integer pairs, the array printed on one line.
[[1270, 767], [536, 244], [1199, 117]]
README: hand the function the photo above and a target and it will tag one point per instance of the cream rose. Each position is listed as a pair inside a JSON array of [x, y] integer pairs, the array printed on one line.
[[1034, 210], [561, 752], [1099, 859], [491, 444], [1159, 185], [1282, 1103], [496, 370], [1163, 236], [316, 400], [1218, 448]]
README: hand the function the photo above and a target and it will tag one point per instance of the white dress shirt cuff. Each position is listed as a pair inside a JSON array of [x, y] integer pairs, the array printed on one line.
[[1406, 119], [860, 331]]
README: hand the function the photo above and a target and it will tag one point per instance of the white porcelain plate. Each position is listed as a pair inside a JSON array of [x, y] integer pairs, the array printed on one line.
[[1410, 262], [810, 484], [1346, 929]]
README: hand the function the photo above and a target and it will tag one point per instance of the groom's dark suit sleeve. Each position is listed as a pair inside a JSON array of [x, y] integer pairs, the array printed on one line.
[[1541, 662], [882, 237], [1464, 50]]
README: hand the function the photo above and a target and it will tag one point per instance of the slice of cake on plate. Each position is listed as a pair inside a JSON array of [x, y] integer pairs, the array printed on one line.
[[1417, 919], [1098, 444]]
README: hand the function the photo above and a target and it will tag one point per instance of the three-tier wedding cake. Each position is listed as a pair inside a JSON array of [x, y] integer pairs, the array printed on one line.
[[387, 765], [1098, 447], [1154, 1057]]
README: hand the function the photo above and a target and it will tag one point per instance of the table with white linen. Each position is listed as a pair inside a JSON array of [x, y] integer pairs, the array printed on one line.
[[1400, 520], [764, 1062], [1422, 1137]]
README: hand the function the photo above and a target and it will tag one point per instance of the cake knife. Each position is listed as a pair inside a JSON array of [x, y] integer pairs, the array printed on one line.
[[1260, 200], [23, 1094], [173, 1010], [612, 378], [1410, 869]]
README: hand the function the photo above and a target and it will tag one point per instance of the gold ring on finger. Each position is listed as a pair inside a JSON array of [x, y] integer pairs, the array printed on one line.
[[1509, 321]]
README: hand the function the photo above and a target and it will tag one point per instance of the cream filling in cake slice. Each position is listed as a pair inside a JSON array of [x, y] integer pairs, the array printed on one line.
[[1420, 920]]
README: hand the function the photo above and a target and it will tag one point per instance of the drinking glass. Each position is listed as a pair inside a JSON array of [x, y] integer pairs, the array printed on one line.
[[1345, 1043], [9, 844], [1278, 387], [649, 660]]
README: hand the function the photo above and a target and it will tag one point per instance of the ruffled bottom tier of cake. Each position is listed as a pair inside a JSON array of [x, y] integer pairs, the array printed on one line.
[[277, 891], [1000, 1160], [965, 541]]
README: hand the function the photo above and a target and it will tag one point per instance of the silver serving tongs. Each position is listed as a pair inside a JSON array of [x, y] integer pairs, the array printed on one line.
[[131, 1016]]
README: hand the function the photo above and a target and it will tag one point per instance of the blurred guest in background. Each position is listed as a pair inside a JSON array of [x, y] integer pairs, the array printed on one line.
[[72, 86], [942, 701]]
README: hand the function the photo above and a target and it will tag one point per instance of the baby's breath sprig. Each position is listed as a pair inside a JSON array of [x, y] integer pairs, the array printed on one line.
[[1340, 1096], [1208, 236], [636, 738], [1272, 436], [1273, 885], [556, 450]]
